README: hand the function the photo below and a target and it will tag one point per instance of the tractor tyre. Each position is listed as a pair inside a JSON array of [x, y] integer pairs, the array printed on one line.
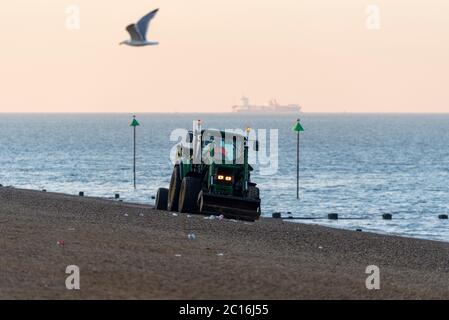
[[161, 199], [188, 195], [173, 190], [253, 192], [200, 203]]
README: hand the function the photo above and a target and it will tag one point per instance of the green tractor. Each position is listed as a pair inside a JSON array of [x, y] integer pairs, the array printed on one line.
[[212, 176]]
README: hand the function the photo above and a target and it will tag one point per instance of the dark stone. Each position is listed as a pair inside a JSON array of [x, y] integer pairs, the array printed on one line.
[[359, 230], [276, 215], [81, 194], [442, 216], [117, 195], [332, 216], [387, 216]]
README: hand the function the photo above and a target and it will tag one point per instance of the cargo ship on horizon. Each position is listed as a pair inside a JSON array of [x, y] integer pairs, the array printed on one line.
[[272, 107]]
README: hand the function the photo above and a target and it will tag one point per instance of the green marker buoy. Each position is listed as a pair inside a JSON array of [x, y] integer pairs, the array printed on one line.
[[134, 124], [298, 128]]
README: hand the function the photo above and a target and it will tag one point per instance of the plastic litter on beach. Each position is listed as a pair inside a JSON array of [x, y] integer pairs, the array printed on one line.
[[220, 217], [60, 242], [209, 218], [220, 254], [141, 214], [320, 247], [174, 214], [125, 214], [178, 255], [188, 216], [191, 236]]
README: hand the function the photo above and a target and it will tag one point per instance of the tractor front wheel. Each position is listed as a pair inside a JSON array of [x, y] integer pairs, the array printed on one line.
[[173, 190], [200, 203], [253, 192], [188, 195], [161, 199]]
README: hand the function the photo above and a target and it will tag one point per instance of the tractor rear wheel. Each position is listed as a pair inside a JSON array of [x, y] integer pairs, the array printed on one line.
[[188, 195], [173, 190], [200, 203], [253, 192], [161, 199]]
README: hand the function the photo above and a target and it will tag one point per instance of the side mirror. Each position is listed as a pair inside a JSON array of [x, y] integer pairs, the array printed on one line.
[[256, 145]]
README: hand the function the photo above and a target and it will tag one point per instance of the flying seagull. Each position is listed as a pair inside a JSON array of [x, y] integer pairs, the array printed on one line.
[[138, 31]]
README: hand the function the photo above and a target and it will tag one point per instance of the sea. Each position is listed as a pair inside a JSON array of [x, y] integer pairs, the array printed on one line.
[[359, 166]]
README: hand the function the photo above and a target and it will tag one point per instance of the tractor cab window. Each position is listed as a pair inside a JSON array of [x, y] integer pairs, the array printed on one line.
[[235, 148], [232, 150], [224, 150], [227, 149], [209, 141]]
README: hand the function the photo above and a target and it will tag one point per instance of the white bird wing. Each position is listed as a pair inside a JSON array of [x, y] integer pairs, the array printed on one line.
[[134, 33], [142, 24]]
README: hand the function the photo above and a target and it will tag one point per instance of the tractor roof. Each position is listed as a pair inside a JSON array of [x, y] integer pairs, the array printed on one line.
[[223, 133]]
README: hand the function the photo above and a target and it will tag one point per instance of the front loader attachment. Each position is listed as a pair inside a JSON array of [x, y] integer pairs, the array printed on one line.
[[229, 206]]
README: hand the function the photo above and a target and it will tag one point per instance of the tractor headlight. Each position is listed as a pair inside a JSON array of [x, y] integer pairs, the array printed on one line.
[[228, 178], [220, 177]]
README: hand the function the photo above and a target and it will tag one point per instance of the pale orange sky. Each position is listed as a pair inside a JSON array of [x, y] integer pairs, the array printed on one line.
[[317, 53]]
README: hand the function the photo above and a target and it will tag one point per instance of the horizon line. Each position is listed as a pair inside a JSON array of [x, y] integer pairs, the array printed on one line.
[[217, 113]]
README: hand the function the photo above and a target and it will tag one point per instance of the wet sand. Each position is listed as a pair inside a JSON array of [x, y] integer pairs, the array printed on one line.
[[128, 251]]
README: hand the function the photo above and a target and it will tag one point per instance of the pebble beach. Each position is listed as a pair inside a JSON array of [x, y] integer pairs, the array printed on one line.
[[131, 251]]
